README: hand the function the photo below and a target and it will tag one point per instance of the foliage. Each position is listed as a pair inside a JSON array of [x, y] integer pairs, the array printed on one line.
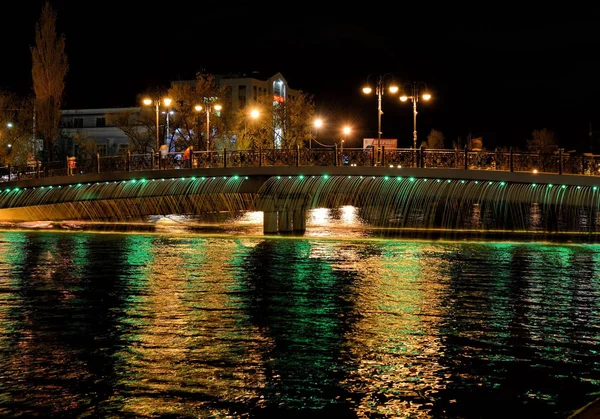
[[48, 72], [16, 117], [543, 141], [188, 126], [278, 124], [435, 139]]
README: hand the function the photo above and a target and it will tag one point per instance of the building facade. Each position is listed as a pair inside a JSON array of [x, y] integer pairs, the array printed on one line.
[[242, 89]]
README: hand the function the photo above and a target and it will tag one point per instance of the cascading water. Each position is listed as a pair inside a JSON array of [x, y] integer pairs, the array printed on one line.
[[411, 205]]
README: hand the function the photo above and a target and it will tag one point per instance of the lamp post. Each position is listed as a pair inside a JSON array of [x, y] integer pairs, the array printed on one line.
[[318, 124], [393, 88], [346, 131], [199, 108], [157, 102], [414, 97]]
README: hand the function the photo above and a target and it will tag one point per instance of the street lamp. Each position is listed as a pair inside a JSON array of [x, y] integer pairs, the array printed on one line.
[[157, 102], [318, 124], [199, 108], [414, 97], [393, 88], [347, 130]]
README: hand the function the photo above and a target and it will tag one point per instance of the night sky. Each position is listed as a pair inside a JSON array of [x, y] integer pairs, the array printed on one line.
[[496, 73]]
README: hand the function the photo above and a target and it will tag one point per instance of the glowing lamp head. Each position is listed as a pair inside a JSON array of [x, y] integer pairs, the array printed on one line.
[[346, 130], [218, 107], [318, 123], [403, 98], [167, 101], [147, 102], [367, 90], [393, 88], [254, 113], [198, 108], [426, 96]]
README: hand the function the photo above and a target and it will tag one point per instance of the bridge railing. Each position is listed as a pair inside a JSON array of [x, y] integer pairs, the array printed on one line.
[[513, 161]]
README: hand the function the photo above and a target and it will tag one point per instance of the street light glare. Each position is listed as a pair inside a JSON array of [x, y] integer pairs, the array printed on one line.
[[426, 96], [318, 123], [198, 108], [367, 90], [218, 107], [393, 88], [346, 130], [403, 98], [147, 102], [254, 113], [167, 101]]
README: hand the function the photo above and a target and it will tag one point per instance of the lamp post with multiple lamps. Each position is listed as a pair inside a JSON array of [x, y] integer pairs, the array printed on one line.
[[157, 102], [207, 107], [414, 97], [379, 89]]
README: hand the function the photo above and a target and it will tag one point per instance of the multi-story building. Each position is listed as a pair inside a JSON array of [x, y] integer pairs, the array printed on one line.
[[91, 124], [242, 89]]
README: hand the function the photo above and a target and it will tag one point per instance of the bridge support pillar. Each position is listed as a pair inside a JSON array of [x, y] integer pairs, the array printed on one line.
[[270, 222], [285, 221], [299, 221]]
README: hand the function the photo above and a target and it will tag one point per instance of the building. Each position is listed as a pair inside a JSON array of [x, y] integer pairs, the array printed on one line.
[[242, 89], [92, 124]]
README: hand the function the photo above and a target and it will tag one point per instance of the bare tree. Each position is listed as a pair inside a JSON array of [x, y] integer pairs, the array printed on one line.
[[48, 71]]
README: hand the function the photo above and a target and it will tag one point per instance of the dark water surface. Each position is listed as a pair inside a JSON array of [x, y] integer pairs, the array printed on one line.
[[197, 326]]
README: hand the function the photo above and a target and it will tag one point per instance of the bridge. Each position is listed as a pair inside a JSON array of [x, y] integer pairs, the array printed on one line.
[[421, 195]]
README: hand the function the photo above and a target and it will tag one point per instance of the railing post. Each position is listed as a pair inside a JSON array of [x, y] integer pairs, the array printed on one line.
[[335, 160], [68, 167], [511, 160], [9, 172], [560, 161], [153, 162], [98, 161], [372, 156], [128, 162], [466, 158], [382, 156], [297, 155], [224, 157], [260, 156]]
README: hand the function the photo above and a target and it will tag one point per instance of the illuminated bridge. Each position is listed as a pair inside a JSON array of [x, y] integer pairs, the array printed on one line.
[[388, 197]]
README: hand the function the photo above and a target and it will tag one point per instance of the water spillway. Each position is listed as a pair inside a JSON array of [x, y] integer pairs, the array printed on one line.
[[386, 198]]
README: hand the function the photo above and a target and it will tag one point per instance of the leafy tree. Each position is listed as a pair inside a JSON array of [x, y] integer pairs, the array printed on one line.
[[279, 124], [543, 141], [48, 71], [435, 139], [16, 143], [189, 125]]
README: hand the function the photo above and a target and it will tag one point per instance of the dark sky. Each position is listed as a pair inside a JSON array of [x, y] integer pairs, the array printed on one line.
[[495, 71]]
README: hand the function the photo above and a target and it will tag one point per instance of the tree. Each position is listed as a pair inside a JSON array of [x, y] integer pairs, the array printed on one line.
[[139, 127], [189, 125], [15, 129], [49, 69], [543, 141], [435, 139], [279, 124]]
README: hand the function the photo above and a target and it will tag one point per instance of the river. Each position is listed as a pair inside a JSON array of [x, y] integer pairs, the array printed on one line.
[[338, 323]]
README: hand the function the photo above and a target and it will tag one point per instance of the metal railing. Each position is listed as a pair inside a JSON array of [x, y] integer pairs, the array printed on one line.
[[558, 162]]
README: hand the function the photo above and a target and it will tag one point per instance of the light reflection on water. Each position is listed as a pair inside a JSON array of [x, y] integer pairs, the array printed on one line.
[[183, 325]]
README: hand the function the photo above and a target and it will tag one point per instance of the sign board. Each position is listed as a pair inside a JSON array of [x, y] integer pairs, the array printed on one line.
[[376, 142]]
